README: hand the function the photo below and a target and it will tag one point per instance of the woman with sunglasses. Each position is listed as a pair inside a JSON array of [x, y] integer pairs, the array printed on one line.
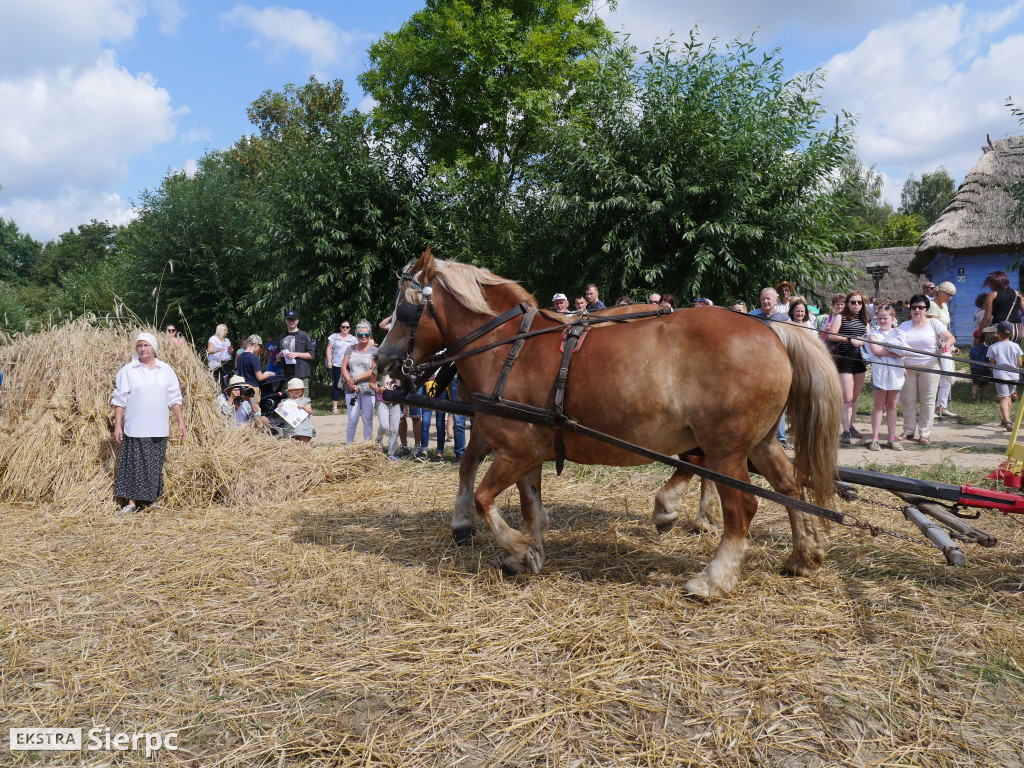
[[849, 327], [927, 336], [358, 368], [337, 345]]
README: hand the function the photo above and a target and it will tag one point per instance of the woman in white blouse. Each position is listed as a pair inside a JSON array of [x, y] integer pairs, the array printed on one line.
[[218, 354], [146, 387], [928, 337]]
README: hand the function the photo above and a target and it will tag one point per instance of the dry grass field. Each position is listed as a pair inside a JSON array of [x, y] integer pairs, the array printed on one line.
[[331, 622]]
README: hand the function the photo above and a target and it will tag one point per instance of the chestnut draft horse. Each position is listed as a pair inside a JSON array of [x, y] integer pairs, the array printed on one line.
[[708, 379]]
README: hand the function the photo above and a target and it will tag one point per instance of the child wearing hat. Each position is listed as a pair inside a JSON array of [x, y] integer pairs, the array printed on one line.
[[1005, 353], [303, 431]]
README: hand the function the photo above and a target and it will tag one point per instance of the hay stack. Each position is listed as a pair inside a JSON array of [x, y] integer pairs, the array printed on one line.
[[56, 430]]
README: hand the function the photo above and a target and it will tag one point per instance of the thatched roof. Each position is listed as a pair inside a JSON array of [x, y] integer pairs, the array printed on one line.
[[976, 219]]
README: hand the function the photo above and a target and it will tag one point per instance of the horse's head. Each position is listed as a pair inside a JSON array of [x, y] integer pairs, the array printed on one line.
[[438, 303], [410, 341]]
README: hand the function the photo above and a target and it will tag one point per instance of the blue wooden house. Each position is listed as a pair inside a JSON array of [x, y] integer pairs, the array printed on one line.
[[974, 235]]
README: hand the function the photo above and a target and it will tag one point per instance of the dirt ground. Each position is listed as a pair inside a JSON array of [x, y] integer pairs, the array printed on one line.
[[969, 447]]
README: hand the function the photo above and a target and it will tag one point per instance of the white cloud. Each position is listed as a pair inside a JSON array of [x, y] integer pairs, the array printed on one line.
[[288, 30], [929, 88], [647, 20], [49, 32], [48, 218], [367, 104], [170, 15], [78, 127]]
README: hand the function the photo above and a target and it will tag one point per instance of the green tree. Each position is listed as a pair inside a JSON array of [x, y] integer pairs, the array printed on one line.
[[189, 251], [864, 213], [14, 315], [929, 196], [82, 271], [901, 229], [476, 82], [466, 92], [331, 218], [18, 252], [705, 171]]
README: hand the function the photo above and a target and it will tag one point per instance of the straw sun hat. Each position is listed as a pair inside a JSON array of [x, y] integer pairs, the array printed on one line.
[[237, 381]]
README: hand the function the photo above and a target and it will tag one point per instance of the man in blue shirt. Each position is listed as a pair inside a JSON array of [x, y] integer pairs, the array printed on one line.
[[593, 298]]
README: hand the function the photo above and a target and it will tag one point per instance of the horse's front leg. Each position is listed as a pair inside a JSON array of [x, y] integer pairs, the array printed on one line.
[[525, 548], [464, 516]]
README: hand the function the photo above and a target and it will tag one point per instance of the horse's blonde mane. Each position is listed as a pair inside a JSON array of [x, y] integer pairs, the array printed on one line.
[[465, 283]]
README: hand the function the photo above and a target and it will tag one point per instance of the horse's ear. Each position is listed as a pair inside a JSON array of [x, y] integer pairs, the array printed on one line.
[[427, 265]]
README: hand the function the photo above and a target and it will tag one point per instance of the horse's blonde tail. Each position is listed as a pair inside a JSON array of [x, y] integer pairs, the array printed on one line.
[[814, 410]]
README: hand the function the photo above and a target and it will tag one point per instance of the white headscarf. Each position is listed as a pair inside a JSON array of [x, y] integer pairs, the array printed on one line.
[[148, 337]]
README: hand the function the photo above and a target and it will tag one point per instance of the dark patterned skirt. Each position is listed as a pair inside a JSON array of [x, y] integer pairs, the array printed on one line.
[[140, 468]]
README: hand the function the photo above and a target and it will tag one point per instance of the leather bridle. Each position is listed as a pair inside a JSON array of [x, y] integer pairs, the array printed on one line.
[[411, 314]]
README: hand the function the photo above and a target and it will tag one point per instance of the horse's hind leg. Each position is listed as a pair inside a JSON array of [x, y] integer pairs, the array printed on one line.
[[535, 518], [710, 516], [722, 574], [525, 549], [464, 516], [810, 539], [669, 501]]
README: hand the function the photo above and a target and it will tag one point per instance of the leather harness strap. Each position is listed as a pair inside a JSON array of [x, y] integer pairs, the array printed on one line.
[[570, 343], [513, 354]]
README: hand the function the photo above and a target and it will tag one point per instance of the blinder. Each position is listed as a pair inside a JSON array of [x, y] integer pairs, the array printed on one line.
[[410, 314]]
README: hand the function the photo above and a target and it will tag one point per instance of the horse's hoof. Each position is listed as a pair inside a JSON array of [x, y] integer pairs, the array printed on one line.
[[664, 526], [664, 521], [799, 566], [702, 586], [534, 557], [701, 525], [509, 567], [463, 534]]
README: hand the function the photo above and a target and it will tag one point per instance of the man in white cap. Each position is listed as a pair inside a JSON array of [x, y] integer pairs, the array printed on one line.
[[145, 388], [560, 303]]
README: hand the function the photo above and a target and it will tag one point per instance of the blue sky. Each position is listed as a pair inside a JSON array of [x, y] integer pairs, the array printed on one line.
[[99, 99]]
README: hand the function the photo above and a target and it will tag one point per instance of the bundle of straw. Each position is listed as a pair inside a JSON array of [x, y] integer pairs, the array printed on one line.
[[56, 429]]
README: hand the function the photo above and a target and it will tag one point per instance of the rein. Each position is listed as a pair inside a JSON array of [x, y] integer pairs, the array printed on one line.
[[890, 345], [451, 354]]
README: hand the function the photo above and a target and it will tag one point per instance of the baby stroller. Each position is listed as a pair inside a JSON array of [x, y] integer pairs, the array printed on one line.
[[271, 394]]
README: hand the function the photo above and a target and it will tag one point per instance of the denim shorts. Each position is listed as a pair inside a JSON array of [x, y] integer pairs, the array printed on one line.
[[415, 413]]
